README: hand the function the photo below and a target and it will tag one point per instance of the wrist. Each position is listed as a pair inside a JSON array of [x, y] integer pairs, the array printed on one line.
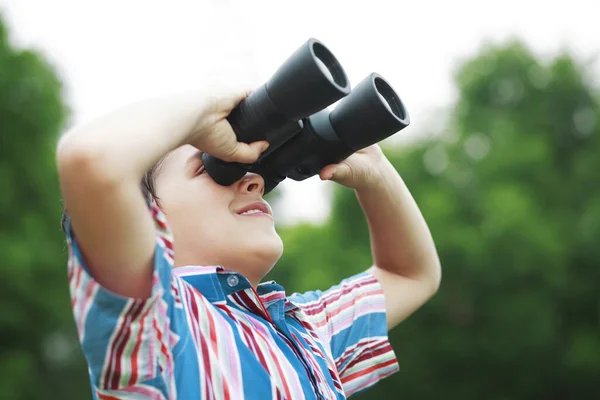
[[196, 115], [380, 172]]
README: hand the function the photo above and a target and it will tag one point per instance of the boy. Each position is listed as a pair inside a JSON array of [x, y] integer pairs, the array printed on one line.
[[165, 280]]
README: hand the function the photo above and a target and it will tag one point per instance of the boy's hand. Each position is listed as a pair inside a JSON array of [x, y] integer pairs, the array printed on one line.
[[214, 135], [359, 171]]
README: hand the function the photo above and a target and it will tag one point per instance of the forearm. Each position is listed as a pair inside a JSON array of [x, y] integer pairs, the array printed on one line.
[[129, 141], [400, 239]]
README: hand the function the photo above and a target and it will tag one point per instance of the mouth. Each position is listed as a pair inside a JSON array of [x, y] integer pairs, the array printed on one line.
[[257, 209]]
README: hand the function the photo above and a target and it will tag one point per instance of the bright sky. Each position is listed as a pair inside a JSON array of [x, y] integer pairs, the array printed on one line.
[[113, 52]]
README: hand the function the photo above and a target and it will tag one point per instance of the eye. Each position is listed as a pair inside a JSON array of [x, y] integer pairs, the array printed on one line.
[[200, 170]]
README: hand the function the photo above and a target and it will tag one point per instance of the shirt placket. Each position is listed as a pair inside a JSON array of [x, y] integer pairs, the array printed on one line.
[[278, 317]]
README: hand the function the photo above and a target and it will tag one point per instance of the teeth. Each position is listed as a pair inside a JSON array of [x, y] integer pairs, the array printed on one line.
[[249, 212]]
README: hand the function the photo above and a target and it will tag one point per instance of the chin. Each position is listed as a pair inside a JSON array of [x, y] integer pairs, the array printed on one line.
[[270, 250], [263, 253]]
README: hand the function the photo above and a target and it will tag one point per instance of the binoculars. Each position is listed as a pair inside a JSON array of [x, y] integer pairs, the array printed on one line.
[[290, 112]]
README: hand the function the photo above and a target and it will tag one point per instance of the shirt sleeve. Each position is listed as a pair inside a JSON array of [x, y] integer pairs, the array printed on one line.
[[127, 342], [351, 317]]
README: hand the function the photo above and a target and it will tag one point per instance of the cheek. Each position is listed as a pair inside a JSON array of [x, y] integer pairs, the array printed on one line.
[[196, 199]]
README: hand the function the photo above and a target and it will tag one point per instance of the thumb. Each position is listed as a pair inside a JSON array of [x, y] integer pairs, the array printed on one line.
[[235, 97], [248, 153], [335, 172]]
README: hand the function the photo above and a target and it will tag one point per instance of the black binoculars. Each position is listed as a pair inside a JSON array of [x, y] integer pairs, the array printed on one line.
[[290, 112]]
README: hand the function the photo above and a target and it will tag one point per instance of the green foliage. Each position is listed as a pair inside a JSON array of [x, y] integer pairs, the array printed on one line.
[[37, 337], [511, 193]]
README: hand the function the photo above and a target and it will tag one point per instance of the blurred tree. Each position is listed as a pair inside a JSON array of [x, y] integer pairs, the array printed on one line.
[[511, 192], [39, 354]]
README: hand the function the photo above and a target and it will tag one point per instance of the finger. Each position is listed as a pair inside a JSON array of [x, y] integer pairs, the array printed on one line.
[[327, 172], [248, 153], [342, 173]]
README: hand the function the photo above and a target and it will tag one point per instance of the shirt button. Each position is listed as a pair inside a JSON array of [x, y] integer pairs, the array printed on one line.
[[232, 280]]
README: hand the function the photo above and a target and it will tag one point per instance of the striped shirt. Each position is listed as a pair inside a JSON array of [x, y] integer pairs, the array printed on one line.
[[206, 333]]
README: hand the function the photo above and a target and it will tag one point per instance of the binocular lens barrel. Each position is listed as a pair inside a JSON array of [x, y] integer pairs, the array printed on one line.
[[371, 113], [310, 80]]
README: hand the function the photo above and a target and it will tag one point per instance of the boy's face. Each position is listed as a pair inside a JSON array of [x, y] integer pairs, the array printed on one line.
[[207, 219]]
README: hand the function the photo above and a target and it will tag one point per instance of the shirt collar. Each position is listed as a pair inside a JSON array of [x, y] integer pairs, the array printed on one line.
[[216, 283]]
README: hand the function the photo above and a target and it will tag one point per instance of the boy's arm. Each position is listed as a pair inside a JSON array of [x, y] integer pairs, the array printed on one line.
[[102, 163], [405, 259]]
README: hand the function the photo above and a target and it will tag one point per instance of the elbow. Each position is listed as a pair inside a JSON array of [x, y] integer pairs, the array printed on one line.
[[71, 153], [434, 280]]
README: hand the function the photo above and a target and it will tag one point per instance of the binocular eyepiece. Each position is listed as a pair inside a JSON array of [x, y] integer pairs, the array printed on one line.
[[290, 112]]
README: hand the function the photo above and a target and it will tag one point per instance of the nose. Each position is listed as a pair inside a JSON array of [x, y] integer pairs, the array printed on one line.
[[251, 183]]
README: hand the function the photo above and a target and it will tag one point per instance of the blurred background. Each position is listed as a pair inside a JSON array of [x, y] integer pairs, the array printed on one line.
[[502, 155]]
